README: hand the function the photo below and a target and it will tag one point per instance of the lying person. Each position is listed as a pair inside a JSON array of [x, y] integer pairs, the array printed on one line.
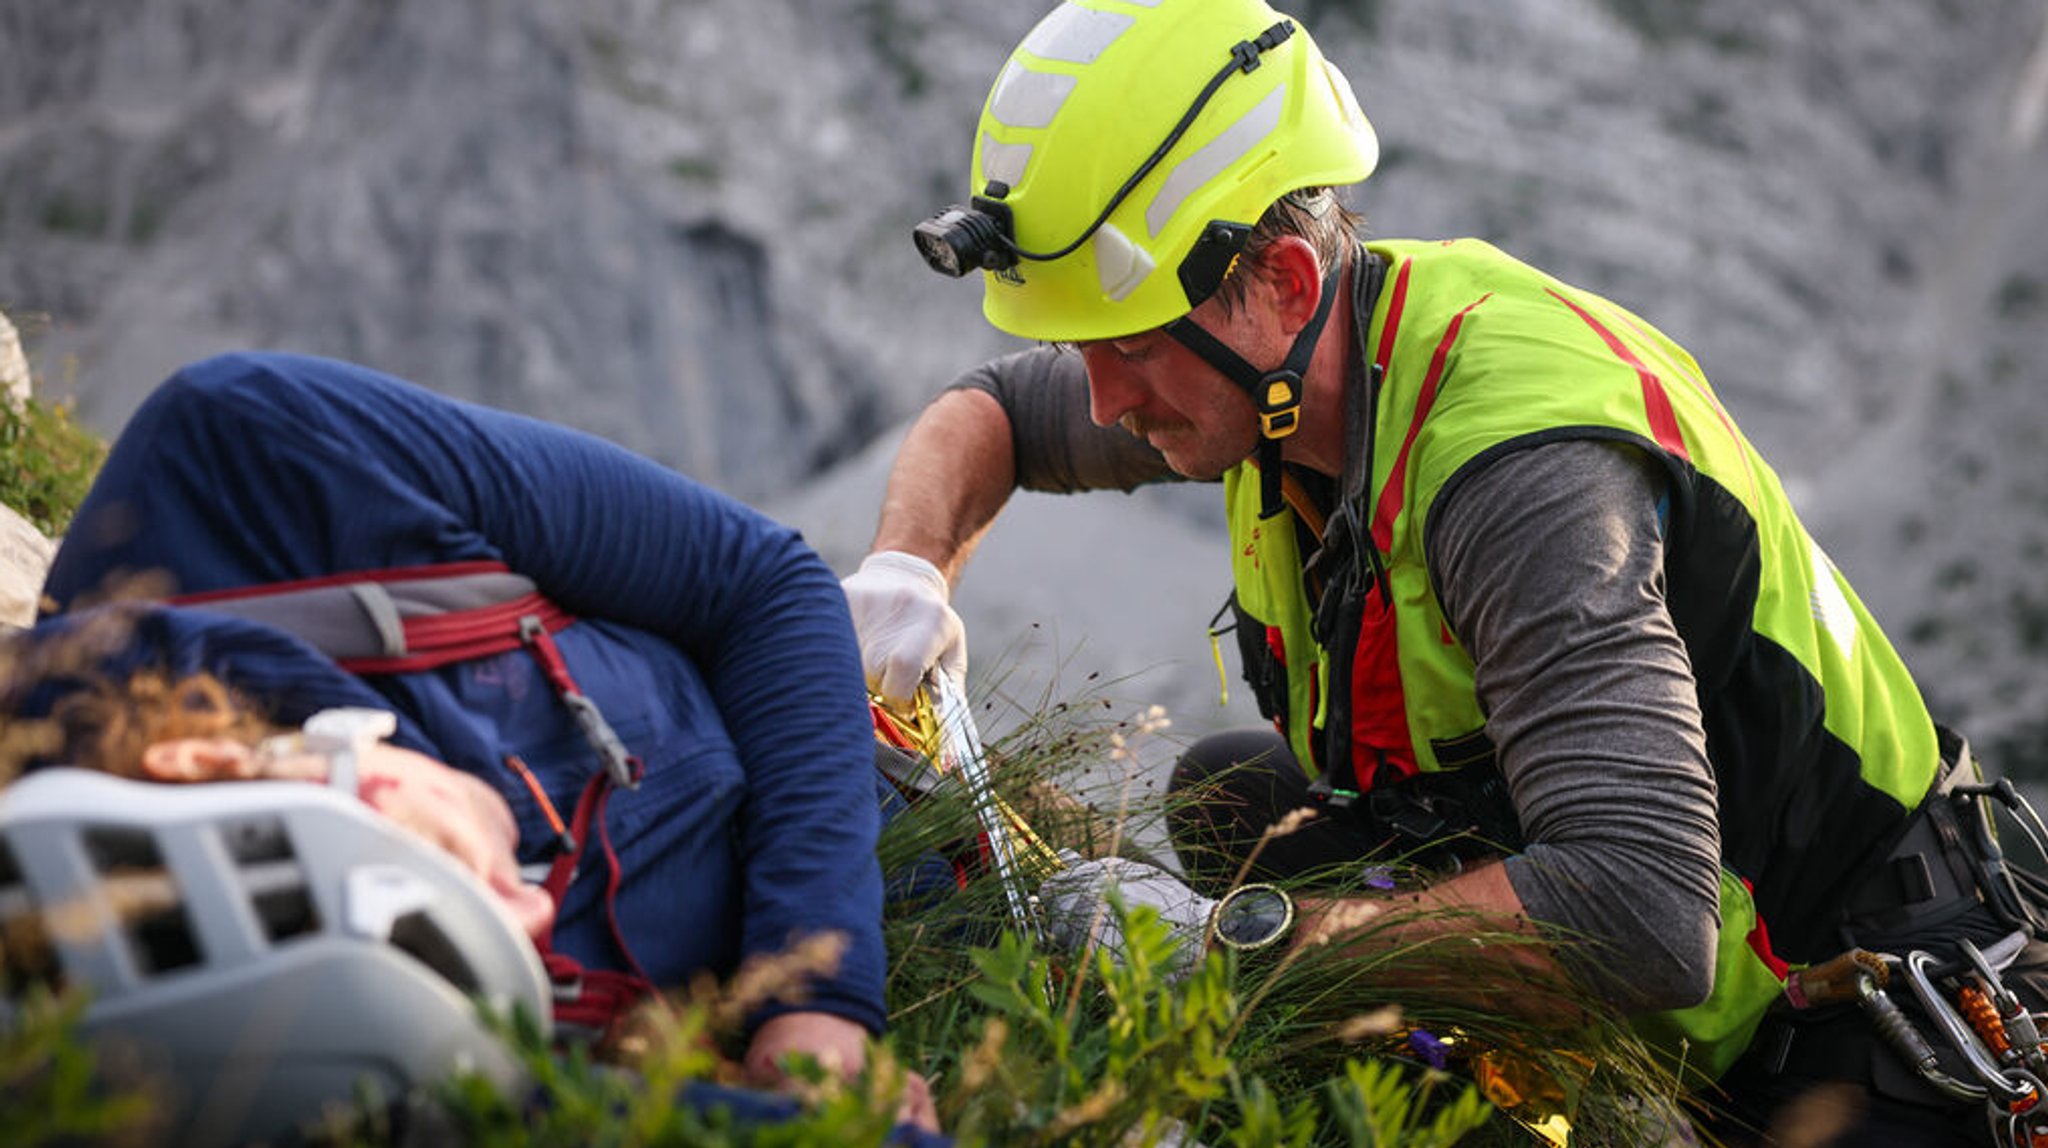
[[653, 699]]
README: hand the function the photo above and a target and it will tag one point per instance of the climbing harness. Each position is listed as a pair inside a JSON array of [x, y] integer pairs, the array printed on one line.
[[1996, 1055], [413, 619], [1974, 1041]]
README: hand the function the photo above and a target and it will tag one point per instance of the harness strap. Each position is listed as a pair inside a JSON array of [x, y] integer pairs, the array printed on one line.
[[590, 1003], [395, 621], [1944, 860], [1346, 563], [1277, 392], [592, 999], [419, 618], [620, 765]]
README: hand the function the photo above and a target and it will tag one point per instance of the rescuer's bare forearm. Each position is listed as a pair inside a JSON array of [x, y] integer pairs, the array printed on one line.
[[1511, 969], [953, 475]]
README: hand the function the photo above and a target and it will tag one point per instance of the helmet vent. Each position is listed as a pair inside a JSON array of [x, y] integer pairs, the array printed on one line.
[[255, 841], [418, 936], [262, 850], [146, 904]]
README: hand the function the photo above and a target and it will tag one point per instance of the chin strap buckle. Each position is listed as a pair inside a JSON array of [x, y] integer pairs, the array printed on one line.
[[1279, 403]]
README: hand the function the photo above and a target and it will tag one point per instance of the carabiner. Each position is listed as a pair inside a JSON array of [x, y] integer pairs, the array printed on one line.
[[2010, 1095]]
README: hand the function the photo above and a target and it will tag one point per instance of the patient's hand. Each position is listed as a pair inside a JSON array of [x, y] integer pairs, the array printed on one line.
[[839, 1046], [451, 809]]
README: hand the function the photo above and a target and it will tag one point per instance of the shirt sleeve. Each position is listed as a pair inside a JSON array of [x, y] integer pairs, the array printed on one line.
[[260, 468], [1058, 448], [1549, 563]]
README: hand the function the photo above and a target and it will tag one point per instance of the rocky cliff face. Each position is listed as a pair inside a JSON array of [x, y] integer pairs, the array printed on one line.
[[681, 224]]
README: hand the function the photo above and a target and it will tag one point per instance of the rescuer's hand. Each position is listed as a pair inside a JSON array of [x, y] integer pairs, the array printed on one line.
[[903, 614]]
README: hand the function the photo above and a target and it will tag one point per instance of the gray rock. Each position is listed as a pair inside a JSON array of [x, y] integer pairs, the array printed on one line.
[[14, 379], [24, 561], [682, 224]]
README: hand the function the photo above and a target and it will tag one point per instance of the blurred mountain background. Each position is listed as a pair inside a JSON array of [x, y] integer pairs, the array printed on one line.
[[683, 225]]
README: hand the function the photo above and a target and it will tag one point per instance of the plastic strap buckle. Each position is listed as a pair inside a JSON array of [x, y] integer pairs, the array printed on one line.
[[1323, 793], [1279, 403]]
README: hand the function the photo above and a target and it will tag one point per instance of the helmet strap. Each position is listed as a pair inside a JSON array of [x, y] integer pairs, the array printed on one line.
[[1277, 392]]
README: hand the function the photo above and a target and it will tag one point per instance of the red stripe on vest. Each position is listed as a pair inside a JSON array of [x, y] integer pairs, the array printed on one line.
[[1384, 353], [1656, 404], [1382, 747], [1706, 394], [1392, 493], [1760, 939]]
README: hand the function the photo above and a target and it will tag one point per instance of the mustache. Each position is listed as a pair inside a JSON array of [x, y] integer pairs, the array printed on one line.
[[1141, 427]]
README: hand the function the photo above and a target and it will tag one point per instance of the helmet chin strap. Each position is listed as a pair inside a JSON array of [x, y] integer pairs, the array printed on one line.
[[1277, 392]]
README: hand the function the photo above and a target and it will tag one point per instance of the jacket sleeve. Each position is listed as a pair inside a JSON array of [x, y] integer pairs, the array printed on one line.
[[1550, 563], [261, 467]]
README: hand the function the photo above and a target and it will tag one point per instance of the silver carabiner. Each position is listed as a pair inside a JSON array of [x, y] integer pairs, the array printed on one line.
[[1963, 1038]]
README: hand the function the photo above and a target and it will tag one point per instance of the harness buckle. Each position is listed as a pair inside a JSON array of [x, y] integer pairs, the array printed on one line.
[[623, 767], [567, 986], [619, 762], [1323, 793], [1409, 813]]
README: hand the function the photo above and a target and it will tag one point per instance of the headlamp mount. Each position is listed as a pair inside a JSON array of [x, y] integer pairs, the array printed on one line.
[[979, 237]]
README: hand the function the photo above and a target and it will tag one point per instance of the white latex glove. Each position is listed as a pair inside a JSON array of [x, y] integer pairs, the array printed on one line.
[[902, 613], [1075, 898]]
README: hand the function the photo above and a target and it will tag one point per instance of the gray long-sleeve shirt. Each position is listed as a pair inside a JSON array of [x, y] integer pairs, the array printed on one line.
[[1549, 563]]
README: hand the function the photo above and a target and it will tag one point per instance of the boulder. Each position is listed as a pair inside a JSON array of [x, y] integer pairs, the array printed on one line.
[[24, 559], [24, 552], [13, 364]]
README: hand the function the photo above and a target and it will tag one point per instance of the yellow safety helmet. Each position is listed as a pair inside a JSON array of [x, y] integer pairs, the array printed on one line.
[[1125, 152]]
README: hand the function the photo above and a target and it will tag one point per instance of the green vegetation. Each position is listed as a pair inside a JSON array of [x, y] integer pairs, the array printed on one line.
[[1029, 1044], [1412, 1046], [52, 1091], [1137, 1064], [47, 462]]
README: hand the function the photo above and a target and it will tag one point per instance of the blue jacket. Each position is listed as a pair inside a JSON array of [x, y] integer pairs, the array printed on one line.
[[716, 642]]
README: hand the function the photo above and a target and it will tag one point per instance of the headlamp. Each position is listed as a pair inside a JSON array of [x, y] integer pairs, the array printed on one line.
[[962, 239]]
